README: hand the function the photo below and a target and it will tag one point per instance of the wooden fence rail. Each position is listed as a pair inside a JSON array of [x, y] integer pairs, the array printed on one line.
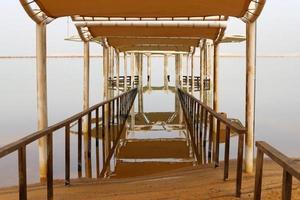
[[291, 169], [200, 121], [113, 110]]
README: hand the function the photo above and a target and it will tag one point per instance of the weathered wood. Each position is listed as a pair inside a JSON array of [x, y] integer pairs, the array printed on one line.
[[88, 167], [210, 139], [42, 105], [285, 162], [205, 136], [103, 135], [239, 168], [287, 181], [201, 134], [79, 148], [49, 167], [197, 130], [217, 143], [258, 174], [22, 173], [290, 168], [226, 156], [7, 149], [20, 145], [97, 144], [67, 155], [216, 78], [191, 108], [250, 93], [233, 126], [128, 99]]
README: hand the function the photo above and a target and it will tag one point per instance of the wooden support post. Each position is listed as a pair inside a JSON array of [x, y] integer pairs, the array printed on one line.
[[125, 72], [177, 73], [192, 73], [111, 69], [118, 72], [86, 80], [149, 78], [250, 92], [216, 78], [42, 107], [180, 70], [86, 77], [105, 72], [140, 88], [202, 65], [166, 65], [215, 91], [187, 74], [209, 73], [132, 67]]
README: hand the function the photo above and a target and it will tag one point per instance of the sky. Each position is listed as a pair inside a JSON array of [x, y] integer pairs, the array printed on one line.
[[278, 31]]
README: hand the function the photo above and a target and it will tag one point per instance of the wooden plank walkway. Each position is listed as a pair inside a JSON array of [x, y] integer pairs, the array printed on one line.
[[185, 184]]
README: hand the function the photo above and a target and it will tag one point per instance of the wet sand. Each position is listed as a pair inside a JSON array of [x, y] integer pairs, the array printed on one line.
[[187, 183]]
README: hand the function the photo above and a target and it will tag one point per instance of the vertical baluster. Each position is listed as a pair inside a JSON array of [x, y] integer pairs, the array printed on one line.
[[79, 152], [103, 134], [97, 143], [109, 126], [89, 160], [112, 112], [226, 157], [118, 113], [197, 131], [239, 171], [67, 154], [22, 173], [217, 143], [205, 135], [201, 133], [194, 119], [258, 174], [287, 181], [211, 128], [49, 166]]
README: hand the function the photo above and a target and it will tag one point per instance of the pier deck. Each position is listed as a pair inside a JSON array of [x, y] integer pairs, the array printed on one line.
[[186, 183]]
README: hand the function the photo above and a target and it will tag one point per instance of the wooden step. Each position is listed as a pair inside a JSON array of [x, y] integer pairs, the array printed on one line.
[[154, 149]]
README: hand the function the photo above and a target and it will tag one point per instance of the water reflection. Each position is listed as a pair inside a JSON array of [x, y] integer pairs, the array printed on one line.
[[276, 124], [155, 141]]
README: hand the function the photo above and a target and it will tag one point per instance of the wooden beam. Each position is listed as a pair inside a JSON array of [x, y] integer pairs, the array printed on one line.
[[42, 106], [250, 92]]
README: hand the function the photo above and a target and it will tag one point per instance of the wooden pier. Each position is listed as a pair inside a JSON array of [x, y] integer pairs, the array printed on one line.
[[123, 167]]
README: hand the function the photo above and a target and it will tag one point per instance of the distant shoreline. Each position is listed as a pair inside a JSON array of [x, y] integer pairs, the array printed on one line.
[[96, 56]]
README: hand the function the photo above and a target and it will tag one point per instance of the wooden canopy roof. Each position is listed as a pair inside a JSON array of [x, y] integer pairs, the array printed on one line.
[[47, 10], [97, 19], [137, 8]]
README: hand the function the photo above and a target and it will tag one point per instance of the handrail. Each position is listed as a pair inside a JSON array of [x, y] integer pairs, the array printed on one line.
[[290, 168], [200, 120], [234, 126], [7, 149], [117, 108]]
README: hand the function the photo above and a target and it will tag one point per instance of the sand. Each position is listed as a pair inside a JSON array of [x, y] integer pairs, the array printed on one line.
[[187, 183]]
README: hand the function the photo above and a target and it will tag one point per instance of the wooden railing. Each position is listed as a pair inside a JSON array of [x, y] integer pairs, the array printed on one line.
[[113, 111], [290, 169], [113, 81], [200, 120]]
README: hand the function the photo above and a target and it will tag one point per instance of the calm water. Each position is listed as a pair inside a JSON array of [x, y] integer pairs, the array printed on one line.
[[277, 98]]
